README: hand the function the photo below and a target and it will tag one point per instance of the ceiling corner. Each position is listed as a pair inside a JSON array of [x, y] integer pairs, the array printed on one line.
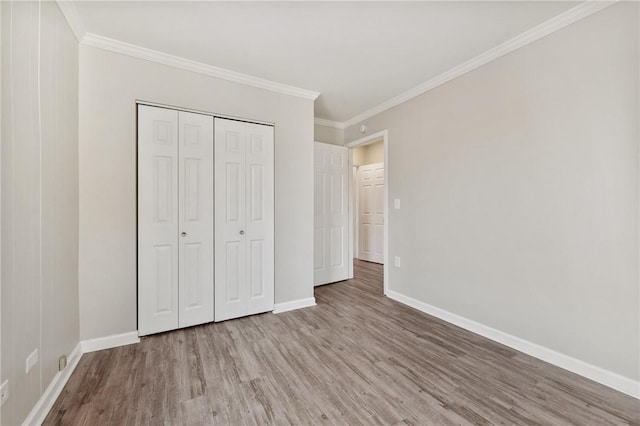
[[68, 9]]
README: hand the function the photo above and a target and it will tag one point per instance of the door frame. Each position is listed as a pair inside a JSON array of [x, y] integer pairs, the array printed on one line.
[[384, 135]]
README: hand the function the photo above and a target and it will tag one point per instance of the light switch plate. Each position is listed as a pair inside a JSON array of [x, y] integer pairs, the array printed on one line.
[[396, 261], [396, 203]]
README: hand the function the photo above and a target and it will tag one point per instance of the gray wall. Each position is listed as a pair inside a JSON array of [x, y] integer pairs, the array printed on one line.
[[110, 83], [39, 199], [519, 190], [328, 135]]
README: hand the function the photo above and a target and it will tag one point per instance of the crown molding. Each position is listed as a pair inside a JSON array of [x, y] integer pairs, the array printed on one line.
[[574, 14], [121, 47], [68, 9], [328, 123], [536, 33]]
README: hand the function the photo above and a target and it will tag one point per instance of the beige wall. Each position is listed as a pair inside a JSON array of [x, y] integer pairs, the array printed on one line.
[[519, 190], [39, 199], [110, 83], [372, 153], [328, 135]]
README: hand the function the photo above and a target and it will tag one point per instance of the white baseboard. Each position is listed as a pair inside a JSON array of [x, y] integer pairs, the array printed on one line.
[[108, 342], [43, 406], [597, 374], [279, 308]]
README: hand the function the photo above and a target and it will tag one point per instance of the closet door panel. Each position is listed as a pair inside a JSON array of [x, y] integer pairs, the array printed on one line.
[[195, 218], [231, 290], [260, 217], [157, 220]]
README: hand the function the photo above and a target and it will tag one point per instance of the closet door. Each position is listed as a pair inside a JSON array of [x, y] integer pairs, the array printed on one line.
[[157, 219], [244, 256], [259, 236], [195, 218]]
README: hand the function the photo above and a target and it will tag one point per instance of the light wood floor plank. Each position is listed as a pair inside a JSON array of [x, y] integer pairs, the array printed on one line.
[[355, 358]]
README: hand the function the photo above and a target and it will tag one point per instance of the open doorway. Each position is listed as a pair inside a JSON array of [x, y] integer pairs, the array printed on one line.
[[368, 201], [368, 207], [350, 205]]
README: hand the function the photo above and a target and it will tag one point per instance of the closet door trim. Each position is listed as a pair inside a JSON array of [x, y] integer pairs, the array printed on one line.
[[211, 114]]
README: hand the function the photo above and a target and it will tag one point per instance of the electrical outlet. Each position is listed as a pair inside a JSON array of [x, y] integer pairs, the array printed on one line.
[[4, 392], [32, 360], [62, 362], [396, 261]]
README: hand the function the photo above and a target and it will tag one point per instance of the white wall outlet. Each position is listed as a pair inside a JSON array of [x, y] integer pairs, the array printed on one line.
[[4, 392], [32, 360], [62, 362], [396, 261], [396, 203]]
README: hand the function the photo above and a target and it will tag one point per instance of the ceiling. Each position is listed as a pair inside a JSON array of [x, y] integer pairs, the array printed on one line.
[[357, 54]]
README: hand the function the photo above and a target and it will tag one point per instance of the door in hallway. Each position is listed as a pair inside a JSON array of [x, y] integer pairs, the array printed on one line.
[[371, 213]]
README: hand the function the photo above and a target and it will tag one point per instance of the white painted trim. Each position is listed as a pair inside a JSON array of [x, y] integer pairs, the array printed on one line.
[[353, 212], [328, 123], [68, 9], [123, 48], [74, 20], [43, 406], [108, 342], [590, 371], [198, 111], [279, 308], [384, 134], [554, 24]]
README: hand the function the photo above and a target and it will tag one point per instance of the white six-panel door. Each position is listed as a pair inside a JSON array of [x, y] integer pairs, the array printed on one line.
[[157, 220], [195, 213], [331, 206], [371, 213], [175, 219], [244, 219]]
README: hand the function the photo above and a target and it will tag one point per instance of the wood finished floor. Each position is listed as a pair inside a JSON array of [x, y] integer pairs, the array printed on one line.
[[356, 358]]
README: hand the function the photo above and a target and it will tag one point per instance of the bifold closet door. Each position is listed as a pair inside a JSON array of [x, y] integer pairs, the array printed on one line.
[[244, 219], [195, 218], [157, 219], [175, 219]]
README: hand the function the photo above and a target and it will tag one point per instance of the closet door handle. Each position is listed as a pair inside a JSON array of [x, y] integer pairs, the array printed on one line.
[[241, 232], [184, 234]]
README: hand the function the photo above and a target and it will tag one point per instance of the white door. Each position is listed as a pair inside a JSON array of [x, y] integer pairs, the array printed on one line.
[[195, 215], [175, 219], [157, 219], [371, 213], [244, 219], [331, 222]]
